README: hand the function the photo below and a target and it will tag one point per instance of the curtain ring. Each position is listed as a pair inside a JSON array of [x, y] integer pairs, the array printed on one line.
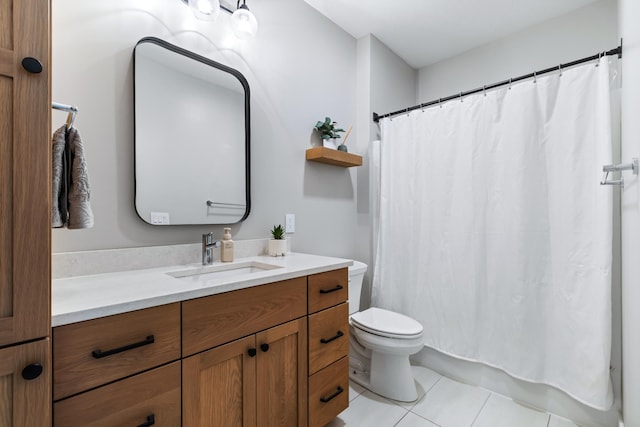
[[440, 102], [560, 69], [599, 57], [461, 97], [407, 111], [484, 90], [422, 107], [510, 79], [535, 77]]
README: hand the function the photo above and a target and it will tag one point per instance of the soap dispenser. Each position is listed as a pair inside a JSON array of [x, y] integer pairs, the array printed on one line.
[[226, 248]]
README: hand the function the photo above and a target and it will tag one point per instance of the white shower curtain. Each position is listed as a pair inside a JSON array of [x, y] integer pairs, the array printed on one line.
[[495, 234]]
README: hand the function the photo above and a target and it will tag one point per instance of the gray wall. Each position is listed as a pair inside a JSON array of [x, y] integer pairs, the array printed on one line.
[[575, 35], [299, 71], [385, 83]]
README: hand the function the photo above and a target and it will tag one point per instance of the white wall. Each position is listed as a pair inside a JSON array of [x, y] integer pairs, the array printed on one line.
[[385, 83], [299, 70], [629, 12], [572, 36]]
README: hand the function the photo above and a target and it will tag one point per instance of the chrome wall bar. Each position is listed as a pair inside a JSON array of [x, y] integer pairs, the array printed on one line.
[[213, 204], [71, 117], [633, 167]]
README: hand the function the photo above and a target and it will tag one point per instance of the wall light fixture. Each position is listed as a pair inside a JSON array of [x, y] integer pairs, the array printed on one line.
[[243, 22]]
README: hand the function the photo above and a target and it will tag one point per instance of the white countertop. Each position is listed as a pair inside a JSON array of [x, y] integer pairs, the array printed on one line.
[[80, 298]]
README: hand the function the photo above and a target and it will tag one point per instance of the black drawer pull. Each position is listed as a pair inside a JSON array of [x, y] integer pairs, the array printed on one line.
[[252, 352], [328, 398], [264, 347], [335, 337], [151, 420], [99, 354], [328, 291]]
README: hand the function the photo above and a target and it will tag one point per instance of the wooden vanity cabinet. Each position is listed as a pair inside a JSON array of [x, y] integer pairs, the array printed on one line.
[[117, 370], [252, 357], [255, 380], [328, 345], [259, 380]]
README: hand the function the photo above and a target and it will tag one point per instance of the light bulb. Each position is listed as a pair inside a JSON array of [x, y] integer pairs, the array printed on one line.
[[206, 10], [244, 23]]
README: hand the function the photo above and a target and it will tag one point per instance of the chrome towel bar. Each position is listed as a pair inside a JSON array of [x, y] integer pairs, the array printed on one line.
[[633, 166]]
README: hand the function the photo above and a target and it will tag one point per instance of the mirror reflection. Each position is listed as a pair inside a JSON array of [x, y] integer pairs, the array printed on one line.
[[191, 137]]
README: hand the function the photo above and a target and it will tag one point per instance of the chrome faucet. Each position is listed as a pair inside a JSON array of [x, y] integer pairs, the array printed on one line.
[[208, 243]]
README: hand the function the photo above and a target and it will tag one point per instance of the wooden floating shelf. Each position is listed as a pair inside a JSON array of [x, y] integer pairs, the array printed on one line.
[[333, 157]]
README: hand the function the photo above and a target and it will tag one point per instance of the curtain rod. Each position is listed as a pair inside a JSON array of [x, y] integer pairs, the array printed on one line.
[[616, 51]]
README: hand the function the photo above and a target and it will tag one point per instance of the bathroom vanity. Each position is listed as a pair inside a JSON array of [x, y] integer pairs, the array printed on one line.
[[203, 346]]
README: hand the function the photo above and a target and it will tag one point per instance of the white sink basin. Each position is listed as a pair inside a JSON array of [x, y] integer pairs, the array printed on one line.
[[222, 271]]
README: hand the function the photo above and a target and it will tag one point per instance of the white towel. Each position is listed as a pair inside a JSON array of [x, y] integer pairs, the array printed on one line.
[[80, 214]]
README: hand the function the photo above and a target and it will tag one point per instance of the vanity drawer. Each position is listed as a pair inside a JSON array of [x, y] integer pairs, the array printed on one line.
[[92, 353], [328, 392], [135, 401], [328, 336], [328, 289], [210, 321]]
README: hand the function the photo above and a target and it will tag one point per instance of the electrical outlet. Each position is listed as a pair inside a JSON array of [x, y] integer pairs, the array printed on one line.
[[289, 223], [160, 218]]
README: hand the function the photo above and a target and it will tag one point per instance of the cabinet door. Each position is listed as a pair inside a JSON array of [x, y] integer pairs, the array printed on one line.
[[25, 165], [25, 402], [218, 386], [281, 381]]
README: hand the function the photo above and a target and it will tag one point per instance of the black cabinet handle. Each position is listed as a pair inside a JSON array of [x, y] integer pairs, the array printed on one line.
[[151, 420], [328, 291], [252, 352], [335, 337], [31, 372], [32, 65], [264, 347], [99, 354], [331, 396]]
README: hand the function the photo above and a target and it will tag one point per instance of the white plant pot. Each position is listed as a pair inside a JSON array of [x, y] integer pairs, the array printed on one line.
[[330, 143], [277, 247]]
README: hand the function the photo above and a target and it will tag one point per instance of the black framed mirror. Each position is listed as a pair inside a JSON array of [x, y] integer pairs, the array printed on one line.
[[192, 137]]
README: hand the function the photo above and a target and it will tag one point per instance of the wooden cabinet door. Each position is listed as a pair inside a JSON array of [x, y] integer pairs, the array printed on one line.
[[281, 381], [25, 189], [25, 402], [218, 386]]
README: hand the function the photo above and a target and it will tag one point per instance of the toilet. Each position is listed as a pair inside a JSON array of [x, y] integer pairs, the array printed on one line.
[[381, 342]]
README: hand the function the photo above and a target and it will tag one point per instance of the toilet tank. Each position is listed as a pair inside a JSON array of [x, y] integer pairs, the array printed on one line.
[[356, 274]]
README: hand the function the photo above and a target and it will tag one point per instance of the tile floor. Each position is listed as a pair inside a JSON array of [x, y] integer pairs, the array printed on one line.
[[442, 402]]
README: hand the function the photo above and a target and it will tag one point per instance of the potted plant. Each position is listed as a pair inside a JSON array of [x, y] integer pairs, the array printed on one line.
[[328, 132], [278, 244]]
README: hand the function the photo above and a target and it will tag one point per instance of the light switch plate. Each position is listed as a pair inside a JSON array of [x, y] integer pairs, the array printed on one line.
[[289, 223]]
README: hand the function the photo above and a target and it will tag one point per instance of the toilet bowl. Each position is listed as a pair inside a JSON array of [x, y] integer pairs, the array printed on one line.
[[381, 342]]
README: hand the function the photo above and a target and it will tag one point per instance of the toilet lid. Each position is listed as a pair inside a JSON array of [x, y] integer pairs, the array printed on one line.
[[386, 323]]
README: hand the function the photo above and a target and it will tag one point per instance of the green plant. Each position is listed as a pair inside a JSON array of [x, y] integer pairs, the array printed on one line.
[[328, 129], [277, 232]]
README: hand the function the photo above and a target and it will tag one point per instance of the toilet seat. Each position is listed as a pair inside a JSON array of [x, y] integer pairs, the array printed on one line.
[[386, 323]]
